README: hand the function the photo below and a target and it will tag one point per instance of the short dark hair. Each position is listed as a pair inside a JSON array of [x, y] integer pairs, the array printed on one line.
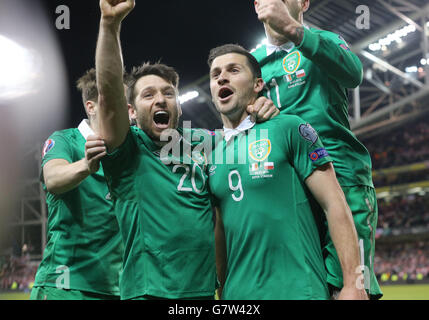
[[158, 69], [87, 85], [235, 48]]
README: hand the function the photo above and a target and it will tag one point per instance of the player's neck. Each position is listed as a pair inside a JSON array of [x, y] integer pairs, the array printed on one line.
[[231, 121], [276, 40], [93, 125]]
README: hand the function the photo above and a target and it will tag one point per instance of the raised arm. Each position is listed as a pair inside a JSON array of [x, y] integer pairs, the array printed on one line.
[[325, 188], [326, 49], [113, 116]]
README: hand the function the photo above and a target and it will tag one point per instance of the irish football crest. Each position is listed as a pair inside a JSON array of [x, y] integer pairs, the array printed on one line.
[[260, 150], [291, 62]]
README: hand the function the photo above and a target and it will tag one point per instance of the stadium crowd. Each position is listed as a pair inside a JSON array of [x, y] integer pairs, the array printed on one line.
[[405, 145], [402, 261], [401, 214], [17, 272]]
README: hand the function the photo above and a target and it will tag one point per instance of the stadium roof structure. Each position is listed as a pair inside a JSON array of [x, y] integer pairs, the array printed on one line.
[[393, 47]]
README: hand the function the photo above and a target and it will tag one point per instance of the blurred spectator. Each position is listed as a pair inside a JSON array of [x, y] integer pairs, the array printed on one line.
[[17, 272], [403, 214], [402, 261], [405, 145]]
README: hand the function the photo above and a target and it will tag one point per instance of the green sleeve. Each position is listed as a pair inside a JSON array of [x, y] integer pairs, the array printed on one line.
[[305, 150], [57, 147], [331, 54]]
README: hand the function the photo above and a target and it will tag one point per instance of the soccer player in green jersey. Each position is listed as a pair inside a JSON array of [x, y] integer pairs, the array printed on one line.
[[307, 72], [163, 207], [83, 257], [268, 245]]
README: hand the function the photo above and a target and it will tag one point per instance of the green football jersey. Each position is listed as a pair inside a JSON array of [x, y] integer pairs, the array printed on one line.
[[272, 241], [310, 81], [84, 249], [165, 218]]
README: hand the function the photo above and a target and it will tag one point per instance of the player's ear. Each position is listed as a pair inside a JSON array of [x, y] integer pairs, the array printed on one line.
[[132, 113], [305, 5], [90, 108], [258, 85]]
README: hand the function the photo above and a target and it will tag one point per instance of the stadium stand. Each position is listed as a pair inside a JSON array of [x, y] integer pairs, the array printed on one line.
[[401, 177], [17, 272], [409, 144], [402, 262]]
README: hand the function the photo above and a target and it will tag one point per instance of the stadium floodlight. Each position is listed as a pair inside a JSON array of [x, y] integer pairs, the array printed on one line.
[[263, 41], [411, 69], [188, 96], [19, 69], [396, 36]]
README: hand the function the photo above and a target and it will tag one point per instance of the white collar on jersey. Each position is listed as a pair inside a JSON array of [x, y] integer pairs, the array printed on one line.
[[84, 129], [271, 48], [284, 47], [246, 124]]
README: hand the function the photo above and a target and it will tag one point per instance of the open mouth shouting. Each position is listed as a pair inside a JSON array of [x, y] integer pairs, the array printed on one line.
[[225, 94], [161, 119]]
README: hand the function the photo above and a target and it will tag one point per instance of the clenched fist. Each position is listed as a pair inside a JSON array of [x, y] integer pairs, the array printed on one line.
[[116, 10], [95, 149], [262, 110], [277, 15]]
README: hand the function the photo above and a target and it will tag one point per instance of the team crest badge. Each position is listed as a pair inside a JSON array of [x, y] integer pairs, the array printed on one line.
[[49, 144], [308, 133], [199, 157], [260, 150], [291, 62]]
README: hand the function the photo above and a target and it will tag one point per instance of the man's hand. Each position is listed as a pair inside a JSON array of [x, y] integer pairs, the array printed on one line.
[[276, 14], [262, 110], [352, 293], [94, 151], [116, 10]]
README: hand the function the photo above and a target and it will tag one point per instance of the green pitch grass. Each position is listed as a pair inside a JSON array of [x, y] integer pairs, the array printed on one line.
[[14, 296], [393, 292], [406, 292]]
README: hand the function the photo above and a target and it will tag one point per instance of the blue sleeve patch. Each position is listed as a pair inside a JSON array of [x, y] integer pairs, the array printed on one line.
[[318, 154]]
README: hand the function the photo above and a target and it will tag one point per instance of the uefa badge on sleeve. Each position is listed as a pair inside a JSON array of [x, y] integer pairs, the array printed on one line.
[[318, 154], [49, 144]]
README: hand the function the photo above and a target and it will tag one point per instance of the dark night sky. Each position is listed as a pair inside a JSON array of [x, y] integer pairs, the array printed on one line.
[[181, 33]]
